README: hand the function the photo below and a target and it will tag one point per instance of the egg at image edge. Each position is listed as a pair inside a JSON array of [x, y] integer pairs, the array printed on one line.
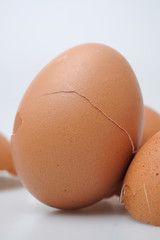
[[141, 186], [77, 127], [6, 161], [151, 123]]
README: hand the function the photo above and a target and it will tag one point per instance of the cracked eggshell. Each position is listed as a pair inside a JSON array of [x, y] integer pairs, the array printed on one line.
[[141, 186], [6, 161], [77, 127], [151, 123], [151, 126]]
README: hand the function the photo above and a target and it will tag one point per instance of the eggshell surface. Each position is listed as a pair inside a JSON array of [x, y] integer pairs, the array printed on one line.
[[6, 161], [151, 123], [77, 127], [151, 126], [141, 187]]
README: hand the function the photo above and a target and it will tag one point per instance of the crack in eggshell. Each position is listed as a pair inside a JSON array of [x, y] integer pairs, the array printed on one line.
[[122, 193], [143, 188], [98, 109], [18, 122], [146, 195]]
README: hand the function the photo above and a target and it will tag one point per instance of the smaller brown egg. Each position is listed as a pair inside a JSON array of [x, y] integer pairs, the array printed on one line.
[[151, 123], [6, 162], [151, 126], [141, 186]]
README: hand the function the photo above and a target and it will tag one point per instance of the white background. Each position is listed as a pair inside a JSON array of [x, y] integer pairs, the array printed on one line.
[[31, 34]]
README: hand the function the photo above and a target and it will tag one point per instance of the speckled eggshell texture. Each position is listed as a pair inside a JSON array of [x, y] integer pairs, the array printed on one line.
[[6, 161], [151, 123], [151, 126], [77, 127], [141, 186]]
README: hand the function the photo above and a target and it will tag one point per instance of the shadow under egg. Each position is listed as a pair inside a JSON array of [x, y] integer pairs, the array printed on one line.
[[8, 182]]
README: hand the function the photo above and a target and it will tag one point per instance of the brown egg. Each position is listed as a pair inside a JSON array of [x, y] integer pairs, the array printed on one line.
[[77, 127], [151, 126], [151, 123], [6, 161], [141, 187]]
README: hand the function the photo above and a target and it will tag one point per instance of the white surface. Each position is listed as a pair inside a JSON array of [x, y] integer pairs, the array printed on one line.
[[31, 34], [23, 217]]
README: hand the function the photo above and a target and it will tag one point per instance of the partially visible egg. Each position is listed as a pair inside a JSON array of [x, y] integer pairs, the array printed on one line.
[[141, 186], [151, 123], [78, 126], [151, 126], [6, 161]]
